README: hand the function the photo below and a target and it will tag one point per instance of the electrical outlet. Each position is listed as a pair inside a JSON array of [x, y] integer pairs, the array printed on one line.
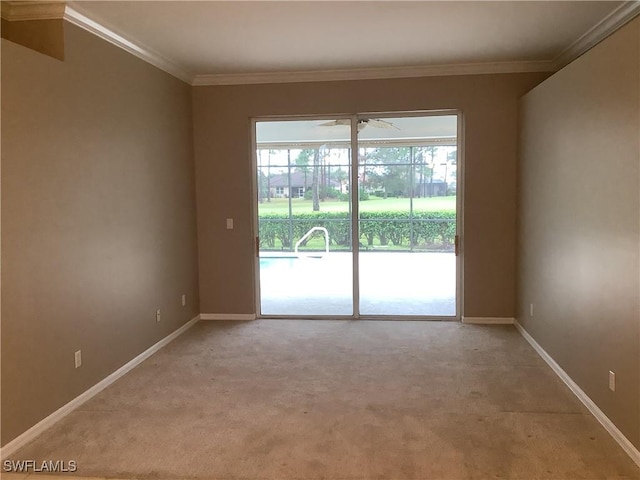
[[531, 309], [157, 315], [184, 299], [78, 358], [612, 381], [229, 223]]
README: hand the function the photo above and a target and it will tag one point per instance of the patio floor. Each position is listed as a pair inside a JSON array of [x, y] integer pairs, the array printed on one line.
[[391, 283]]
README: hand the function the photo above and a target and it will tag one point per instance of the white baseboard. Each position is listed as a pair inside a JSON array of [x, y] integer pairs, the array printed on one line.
[[609, 426], [488, 320], [11, 447], [228, 316]]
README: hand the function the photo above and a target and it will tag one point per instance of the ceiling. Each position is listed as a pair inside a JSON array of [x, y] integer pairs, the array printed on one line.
[[214, 40]]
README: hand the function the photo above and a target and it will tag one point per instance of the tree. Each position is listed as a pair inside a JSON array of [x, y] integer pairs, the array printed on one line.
[[452, 156], [451, 159], [263, 191], [340, 177], [431, 150], [269, 152], [390, 169], [419, 164], [302, 161], [315, 180]]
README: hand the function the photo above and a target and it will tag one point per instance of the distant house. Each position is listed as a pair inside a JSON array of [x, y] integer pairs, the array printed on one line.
[[279, 186], [434, 188]]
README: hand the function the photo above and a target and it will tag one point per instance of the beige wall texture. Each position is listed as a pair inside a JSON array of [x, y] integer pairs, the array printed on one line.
[[579, 222], [224, 174], [98, 219]]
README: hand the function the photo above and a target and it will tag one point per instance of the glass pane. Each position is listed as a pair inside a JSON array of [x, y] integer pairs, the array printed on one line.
[[407, 215], [304, 217]]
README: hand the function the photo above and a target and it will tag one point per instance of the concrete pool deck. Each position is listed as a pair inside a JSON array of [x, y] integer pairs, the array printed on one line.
[[391, 283]]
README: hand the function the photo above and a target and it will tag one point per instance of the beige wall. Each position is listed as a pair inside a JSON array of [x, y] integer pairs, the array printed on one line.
[[98, 219], [224, 174], [579, 222]]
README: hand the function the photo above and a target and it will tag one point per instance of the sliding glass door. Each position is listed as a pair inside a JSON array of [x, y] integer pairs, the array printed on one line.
[[402, 209], [304, 217], [407, 216]]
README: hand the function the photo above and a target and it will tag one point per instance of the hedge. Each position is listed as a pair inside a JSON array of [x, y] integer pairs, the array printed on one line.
[[422, 229]]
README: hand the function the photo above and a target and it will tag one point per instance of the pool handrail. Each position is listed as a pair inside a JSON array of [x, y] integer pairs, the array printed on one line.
[[309, 233]]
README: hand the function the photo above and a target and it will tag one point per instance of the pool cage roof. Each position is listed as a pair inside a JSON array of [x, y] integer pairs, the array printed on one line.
[[403, 132]]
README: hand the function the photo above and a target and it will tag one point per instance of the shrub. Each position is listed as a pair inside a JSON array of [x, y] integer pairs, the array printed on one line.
[[425, 229]]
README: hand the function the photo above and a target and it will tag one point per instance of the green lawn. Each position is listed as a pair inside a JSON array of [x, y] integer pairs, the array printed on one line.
[[374, 204]]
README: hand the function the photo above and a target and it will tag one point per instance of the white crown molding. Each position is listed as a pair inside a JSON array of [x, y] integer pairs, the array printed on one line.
[[617, 435], [155, 59], [18, 442], [33, 10], [371, 73], [601, 30]]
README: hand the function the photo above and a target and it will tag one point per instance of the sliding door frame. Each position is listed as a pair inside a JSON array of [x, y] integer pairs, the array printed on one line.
[[255, 212], [354, 199]]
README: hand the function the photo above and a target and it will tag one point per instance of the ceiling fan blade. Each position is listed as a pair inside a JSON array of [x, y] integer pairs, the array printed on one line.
[[333, 123], [376, 122]]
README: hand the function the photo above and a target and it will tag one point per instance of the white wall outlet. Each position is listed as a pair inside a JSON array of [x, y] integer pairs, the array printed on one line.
[[531, 309], [78, 358], [612, 381], [229, 223], [184, 299], [157, 315]]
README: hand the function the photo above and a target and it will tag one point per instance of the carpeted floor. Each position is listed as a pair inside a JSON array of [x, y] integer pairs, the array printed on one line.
[[337, 400]]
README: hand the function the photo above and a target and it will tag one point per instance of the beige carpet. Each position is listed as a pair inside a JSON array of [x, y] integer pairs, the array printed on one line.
[[337, 400]]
